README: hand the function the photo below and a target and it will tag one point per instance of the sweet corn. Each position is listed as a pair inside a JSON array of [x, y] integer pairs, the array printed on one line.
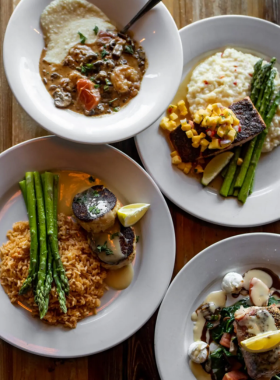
[[185, 127], [239, 161], [199, 169], [176, 160], [174, 153], [190, 133], [171, 125], [188, 167], [173, 116], [164, 123]]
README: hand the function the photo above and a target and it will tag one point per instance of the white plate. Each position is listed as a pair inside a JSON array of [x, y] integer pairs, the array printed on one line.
[[124, 312], [263, 206], [202, 275], [160, 39]]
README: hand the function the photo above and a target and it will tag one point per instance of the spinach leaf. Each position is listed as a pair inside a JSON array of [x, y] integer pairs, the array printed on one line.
[[218, 364], [272, 300]]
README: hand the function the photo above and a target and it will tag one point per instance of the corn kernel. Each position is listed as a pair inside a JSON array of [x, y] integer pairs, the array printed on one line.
[[196, 139], [190, 133], [204, 142], [198, 169], [188, 167], [186, 127], [164, 123], [239, 161], [176, 160], [173, 116], [194, 131], [171, 125], [174, 153]]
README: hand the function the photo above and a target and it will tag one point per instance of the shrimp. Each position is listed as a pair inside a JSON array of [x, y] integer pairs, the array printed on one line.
[[125, 78]]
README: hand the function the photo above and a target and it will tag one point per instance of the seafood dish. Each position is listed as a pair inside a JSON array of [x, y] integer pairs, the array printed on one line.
[[79, 241], [237, 329], [229, 116], [87, 65]]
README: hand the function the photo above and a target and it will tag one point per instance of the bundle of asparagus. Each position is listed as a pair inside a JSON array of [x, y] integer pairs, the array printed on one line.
[[239, 181], [40, 193]]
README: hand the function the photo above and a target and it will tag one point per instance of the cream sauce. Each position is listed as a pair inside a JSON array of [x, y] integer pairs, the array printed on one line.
[[71, 183], [198, 371], [121, 278], [261, 275], [259, 323], [216, 299], [198, 326], [112, 242], [259, 292]]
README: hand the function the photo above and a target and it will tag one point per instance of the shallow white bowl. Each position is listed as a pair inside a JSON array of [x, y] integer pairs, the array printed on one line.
[[121, 313], [23, 45], [200, 276], [263, 206]]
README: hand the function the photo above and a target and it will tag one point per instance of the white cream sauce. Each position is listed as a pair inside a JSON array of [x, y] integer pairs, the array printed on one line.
[[198, 371], [121, 278], [113, 243], [198, 326], [259, 292], [259, 323], [261, 275], [216, 299]]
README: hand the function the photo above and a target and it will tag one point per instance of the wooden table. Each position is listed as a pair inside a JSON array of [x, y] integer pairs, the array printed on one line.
[[133, 359]]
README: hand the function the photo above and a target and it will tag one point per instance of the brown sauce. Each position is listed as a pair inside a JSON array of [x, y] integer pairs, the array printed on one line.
[[112, 67]]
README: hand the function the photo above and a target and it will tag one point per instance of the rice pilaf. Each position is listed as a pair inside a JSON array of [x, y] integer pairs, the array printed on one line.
[[85, 275]]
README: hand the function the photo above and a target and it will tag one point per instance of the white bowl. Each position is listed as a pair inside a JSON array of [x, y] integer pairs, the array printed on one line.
[[23, 45], [121, 313], [200, 276], [199, 40]]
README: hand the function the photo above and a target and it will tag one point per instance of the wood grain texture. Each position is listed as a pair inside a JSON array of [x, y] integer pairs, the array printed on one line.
[[133, 359]]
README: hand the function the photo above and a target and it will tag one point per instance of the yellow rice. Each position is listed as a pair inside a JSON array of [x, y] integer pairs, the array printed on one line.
[[85, 275]]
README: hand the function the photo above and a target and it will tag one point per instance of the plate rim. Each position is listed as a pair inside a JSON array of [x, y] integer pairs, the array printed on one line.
[[172, 241], [166, 193], [180, 273]]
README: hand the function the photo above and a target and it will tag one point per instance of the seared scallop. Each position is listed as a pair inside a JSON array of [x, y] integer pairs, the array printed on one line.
[[96, 209], [116, 247]]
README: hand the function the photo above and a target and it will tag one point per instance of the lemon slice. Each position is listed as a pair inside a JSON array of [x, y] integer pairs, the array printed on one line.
[[131, 214], [215, 166], [262, 342]]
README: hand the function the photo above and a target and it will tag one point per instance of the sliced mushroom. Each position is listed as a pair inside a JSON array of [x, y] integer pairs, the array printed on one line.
[[62, 99]]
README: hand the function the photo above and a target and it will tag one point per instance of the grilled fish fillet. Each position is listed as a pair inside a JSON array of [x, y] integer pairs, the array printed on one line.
[[251, 124], [264, 365]]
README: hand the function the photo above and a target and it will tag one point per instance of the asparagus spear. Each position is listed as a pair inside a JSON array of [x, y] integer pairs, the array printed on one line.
[[60, 292], [252, 185], [232, 186], [246, 162], [224, 171], [260, 79], [31, 207], [244, 191], [49, 199], [22, 185], [268, 93], [48, 282], [230, 174], [40, 290], [257, 68]]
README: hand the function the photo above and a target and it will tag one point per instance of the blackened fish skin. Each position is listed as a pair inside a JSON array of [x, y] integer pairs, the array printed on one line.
[[251, 124]]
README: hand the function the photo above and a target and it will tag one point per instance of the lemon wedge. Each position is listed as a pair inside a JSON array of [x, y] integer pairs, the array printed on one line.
[[262, 342], [131, 214], [215, 166]]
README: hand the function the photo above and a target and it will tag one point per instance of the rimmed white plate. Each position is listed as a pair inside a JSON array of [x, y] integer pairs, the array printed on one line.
[[200, 276], [263, 206], [160, 39], [121, 313]]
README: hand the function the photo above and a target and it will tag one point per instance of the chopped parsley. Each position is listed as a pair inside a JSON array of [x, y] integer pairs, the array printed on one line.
[[114, 235], [128, 49], [108, 82], [96, 30], [96, 194], [91, 179], [116, 109], [137, 238], [94, 209], [82, 38], [104, 53], [84, 70], [111, 101], [104, 248], [96, 85]]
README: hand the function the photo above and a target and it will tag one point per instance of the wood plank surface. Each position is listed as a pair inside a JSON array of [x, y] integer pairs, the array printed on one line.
[[133, 359]]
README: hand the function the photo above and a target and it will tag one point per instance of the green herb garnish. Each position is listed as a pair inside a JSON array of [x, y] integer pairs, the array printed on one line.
[[96, 85], [108, 82], [96, 194], [104, 53], [137, 238], [84, 70], [91, 179], [94, 209], [96, 30], [116, 109], [82, 38], [114, 235], [111, 101], [105, 88], [129, 49], [104, 248]]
